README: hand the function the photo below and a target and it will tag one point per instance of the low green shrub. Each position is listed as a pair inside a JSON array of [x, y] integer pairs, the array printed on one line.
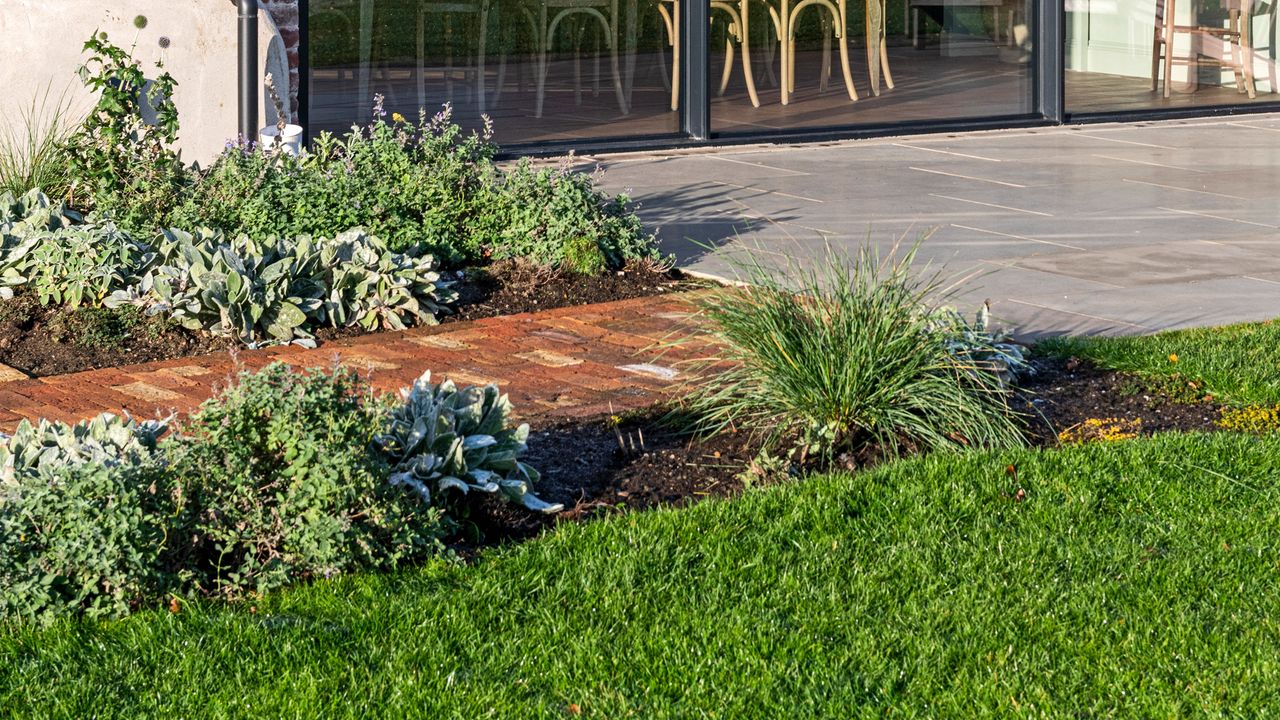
[[279, 483], [556, 216], [33, 210], [83, 512], [855, 361], [21, 217], [442, 440], [121, 158], [283, 477], [423, 183], [417, 184], [268, 290], [413, 184], [79, 265]]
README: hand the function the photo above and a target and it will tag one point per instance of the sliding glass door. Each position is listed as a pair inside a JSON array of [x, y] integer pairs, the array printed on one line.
[[868, 62], [1136, 55]]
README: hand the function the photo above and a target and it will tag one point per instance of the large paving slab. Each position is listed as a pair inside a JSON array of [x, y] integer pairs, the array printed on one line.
[[1112, 228]]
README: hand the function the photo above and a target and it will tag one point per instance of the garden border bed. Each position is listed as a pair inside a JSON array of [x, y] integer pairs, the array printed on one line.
[[575, 361]]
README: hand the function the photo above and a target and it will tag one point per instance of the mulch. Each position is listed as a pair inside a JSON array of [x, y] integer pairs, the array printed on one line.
[[601, 465], [46, 341], [1063, 393]]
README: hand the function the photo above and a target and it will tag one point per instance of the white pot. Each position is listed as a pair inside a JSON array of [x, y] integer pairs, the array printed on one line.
[[290, 140]]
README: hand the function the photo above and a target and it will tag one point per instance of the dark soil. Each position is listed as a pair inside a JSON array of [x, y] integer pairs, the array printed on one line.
[[595, 467], [1064, 393], [510, 288], [53, 341]]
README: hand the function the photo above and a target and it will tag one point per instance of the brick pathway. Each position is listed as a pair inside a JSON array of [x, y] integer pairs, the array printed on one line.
[[571, 362]]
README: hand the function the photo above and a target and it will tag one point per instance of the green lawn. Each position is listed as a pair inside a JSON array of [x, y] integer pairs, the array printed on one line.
[[1240, 363], [1134, 579]]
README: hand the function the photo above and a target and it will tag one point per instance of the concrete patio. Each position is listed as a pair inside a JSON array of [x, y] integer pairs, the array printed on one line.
[[1083, 229]]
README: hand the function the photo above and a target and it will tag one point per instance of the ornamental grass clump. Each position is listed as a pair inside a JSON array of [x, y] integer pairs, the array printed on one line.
[[845, 359]]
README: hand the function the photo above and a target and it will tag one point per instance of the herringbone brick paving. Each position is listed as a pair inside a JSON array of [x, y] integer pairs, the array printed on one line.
[[565, 363]]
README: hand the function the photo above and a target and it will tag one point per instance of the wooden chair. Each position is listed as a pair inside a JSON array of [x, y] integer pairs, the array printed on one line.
[[738, 20], [480, 11], [835, 23], [1234, 36], [546, 17]]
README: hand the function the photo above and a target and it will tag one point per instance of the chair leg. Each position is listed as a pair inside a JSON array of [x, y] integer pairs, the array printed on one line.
[[884, 46], [843, 9], [675, 55], [873, 42], [577, 68], [480, 48], [1169, 20], [544, 47], [773, 49], [728, 65], [614, 41], [366, 51], [784, 41], [422, 58], [746, 57], [1157, 40], [595, 71], [1245, 22], [448, 58], [884, 65]]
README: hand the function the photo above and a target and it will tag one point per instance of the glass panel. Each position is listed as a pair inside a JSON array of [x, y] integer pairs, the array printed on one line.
[[1123, 55], [897, 60], [543, 70]]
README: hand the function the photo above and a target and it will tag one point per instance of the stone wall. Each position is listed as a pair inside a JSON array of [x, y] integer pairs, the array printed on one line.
[[285, 15]]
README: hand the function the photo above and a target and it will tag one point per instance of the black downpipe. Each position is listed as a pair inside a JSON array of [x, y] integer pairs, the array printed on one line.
[[248, 70]]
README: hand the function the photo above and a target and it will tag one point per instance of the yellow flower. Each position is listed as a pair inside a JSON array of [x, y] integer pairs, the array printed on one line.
[[397, 117], [1173, 357]]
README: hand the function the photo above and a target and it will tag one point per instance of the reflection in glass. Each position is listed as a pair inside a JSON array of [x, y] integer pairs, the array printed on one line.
[[866, 62], [1146, 54], [543, 70]]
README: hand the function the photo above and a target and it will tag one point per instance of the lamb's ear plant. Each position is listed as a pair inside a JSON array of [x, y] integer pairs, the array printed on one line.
[[444, 442], [842, 359]]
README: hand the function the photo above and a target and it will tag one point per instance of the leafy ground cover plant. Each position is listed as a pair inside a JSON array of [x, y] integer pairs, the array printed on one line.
[[268, 290], [444, 441], [420, 183], [281, 289], [279, 483], [284, 477], [83, 512], [122, 159], [854, 360]]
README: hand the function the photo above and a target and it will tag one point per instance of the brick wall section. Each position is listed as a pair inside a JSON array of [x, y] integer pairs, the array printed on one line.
[[573, 362], [285, 15]]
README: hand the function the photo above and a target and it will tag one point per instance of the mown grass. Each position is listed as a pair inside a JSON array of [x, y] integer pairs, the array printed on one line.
[[1131, 579], [1238, 363]]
